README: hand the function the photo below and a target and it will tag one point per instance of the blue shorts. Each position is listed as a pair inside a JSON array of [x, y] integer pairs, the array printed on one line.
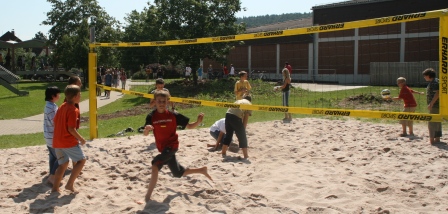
[[75, 153]]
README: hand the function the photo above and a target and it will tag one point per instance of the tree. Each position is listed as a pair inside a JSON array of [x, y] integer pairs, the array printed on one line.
[[70, 29], [187, 19]]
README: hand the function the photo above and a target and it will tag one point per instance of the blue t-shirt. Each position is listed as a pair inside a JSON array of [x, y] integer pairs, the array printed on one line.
[[108, 80]]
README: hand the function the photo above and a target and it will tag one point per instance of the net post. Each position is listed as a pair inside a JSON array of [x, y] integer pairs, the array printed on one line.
[[92, 67]]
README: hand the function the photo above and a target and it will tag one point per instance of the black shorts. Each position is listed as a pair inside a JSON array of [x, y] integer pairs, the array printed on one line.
[[168, 157]]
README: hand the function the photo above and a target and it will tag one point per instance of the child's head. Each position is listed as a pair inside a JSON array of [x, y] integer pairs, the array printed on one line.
[[401, 81], [74, 80], [242, 74], [52, 93], [160, 83], [429, 73], [72, 93], [161, 98]]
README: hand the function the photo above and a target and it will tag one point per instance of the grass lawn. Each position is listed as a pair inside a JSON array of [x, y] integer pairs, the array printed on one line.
[[364, 98]]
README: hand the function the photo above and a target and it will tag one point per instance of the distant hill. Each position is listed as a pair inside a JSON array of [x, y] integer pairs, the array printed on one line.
[[256, 21]]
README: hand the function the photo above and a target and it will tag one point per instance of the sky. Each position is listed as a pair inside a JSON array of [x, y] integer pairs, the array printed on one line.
[[26, 16]]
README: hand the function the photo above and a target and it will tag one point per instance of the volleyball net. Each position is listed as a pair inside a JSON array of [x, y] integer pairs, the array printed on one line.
[[337, 69]]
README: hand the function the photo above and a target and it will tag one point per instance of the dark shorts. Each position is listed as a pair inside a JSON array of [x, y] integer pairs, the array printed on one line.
[[168, 157], [234, 124]]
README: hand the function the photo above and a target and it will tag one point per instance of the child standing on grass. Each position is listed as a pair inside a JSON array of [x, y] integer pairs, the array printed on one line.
[[65, 139], [51, 97], [432, 99], [242, 86], [163, 123], [406, 94], [160, 86]]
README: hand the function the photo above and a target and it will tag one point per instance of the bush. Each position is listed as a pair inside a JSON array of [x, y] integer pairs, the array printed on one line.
[[140, 75]]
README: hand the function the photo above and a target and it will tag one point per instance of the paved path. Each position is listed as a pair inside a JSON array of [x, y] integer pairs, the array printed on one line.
[[34, 124]]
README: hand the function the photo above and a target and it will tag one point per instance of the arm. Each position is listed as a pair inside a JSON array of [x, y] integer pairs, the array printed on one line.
[[416, 92], [72, 131], [148, 128], [287, 81], [195, 124], [220, 136], [434, 99], [245, 119]]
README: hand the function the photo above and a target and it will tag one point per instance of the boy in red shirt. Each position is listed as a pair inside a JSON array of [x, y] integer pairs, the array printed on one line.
[[163, 123], [409, 104], [65, 138]]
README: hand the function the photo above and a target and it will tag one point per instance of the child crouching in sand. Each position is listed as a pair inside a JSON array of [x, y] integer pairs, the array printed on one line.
[[65, 139], [163, 123]]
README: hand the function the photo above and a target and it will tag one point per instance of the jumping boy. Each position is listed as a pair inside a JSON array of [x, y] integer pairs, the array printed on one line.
[[51, 97], [65, 139], [163, 123], [409, 104]]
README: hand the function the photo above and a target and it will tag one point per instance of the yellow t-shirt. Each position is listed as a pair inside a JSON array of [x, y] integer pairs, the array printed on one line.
[[239, 86]]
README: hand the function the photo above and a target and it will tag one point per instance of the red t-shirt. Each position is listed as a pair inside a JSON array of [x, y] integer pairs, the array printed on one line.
[[79, 118], [407, 96], [165, 125], [66, 116]]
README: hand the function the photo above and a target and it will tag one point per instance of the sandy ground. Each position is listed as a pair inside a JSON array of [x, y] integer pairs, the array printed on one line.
[[307, 166]]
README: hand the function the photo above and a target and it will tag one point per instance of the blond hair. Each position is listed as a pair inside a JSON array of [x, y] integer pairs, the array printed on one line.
[[401, 80]]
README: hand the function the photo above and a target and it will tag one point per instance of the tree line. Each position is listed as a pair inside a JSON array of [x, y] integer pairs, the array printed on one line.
[[256, 21]]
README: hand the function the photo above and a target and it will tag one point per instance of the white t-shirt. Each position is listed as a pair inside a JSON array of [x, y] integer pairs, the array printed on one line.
[[219, 125], [232, 70], [49, 113], [187, 71]]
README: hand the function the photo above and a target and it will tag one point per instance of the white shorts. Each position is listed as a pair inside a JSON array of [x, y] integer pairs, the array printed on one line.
[[75, 153]]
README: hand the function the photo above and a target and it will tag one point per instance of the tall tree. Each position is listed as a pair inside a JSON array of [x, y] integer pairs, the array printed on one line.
[[186, 19], [70, 29]]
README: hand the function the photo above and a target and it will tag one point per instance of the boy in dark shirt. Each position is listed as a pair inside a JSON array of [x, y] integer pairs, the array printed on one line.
[[163, 123]]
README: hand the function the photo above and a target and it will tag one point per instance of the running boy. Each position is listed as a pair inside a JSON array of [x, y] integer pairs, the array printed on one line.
[[65, 139], [409, 105], [163, 123], [51, 96]]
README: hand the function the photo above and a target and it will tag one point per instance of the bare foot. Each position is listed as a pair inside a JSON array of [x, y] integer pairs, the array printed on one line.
[[71, 189], [55, 190], [203, 171]]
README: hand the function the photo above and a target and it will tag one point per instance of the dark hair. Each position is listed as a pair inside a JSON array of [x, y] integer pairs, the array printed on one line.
[[247, 97], [71, 91], [50, 92], [429, 72], [160, 81], [73, 79]]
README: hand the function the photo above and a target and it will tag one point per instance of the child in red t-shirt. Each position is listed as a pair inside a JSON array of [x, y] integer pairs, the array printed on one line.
[[65, 139], [163, 123], [406, 94]]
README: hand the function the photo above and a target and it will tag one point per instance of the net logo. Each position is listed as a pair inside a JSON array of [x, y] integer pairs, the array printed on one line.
[[408, 16], [325, 27], [113, 44], [223, 38], [444, 50], [275, 109], [137, 94], [338, 113], [227, 105], [270, 33], [158, 43], [185, 41], [192, 102], [414, 117], [318, 112], [134, 43], [389, 116]]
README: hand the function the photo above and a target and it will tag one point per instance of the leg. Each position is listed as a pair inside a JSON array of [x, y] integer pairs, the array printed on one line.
[[75, 173], [152, 182], [403, 127], [245, 153], [411, 127], [58, 177], [202, 170]]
